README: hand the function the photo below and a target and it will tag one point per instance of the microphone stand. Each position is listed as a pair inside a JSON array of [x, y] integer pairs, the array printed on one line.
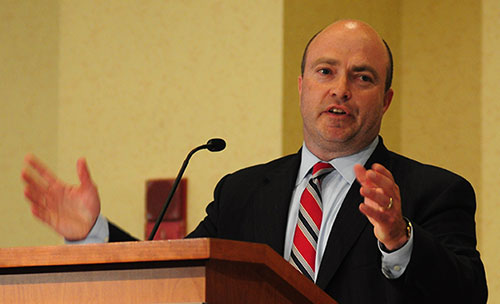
[[215, 144]]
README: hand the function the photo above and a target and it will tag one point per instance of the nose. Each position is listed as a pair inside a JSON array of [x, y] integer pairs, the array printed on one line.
[[340, 89]]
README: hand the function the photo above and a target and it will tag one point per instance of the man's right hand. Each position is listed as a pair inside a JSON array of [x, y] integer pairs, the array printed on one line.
[[71, 210]]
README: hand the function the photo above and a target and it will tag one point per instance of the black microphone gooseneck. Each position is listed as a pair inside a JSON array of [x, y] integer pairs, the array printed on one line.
[[213, 145]]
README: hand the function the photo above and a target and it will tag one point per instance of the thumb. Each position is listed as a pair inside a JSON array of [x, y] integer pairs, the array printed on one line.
[[83, 172]]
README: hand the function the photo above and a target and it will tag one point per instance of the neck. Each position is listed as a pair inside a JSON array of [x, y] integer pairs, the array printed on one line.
[[336, 150]]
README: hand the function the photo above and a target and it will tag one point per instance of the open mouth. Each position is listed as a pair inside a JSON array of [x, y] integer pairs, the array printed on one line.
[[337, 111]]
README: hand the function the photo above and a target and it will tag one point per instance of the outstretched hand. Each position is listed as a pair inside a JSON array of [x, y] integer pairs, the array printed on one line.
[[71, 210], [382, 205]]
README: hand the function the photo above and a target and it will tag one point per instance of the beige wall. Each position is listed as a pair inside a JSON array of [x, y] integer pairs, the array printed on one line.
[[28, 109], [490, 145], [441, 77], [142, 83], [134, 85]]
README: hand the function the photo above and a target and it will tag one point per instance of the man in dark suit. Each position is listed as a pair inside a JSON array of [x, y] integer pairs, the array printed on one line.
[[391, 231]]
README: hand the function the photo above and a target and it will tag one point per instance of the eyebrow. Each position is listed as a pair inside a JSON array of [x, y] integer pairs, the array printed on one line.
[[325, 60], [358, 68], [365, 67]]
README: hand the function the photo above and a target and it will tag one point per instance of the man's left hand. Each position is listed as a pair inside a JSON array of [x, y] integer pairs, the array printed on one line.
[[382, 205]]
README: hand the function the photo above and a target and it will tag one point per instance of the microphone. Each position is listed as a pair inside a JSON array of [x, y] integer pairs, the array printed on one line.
[[216, 144], [213, 145]]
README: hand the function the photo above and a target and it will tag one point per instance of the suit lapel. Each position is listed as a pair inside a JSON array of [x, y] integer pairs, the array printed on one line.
[[346, 229], [271, 207], [348, 225]]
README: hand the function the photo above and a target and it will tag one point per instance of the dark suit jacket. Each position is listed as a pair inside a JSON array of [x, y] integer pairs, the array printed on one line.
[[445, 267]]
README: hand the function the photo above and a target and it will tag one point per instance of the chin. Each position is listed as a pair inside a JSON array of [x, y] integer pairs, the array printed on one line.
[[339, 136]]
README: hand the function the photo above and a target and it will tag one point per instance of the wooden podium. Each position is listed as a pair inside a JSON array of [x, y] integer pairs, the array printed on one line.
[[176, 271]]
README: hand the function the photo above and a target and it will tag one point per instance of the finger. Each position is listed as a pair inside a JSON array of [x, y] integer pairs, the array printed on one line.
[[33, 190], [369, 189], [32, 197], [36, 164], [83, 172], [361, 175], [42, 214], [382, 170], [35, 210], [374, 215], [379, 180], [360, 172], [27, 177], [31, 179], [383, 179], [375, 197]]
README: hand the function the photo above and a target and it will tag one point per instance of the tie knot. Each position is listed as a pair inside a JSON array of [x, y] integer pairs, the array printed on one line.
[[321, 169]]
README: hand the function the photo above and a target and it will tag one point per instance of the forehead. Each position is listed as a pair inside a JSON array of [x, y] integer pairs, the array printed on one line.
[[350, 46]]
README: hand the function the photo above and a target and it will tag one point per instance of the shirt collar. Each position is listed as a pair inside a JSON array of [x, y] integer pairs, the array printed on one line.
[[344, 165]]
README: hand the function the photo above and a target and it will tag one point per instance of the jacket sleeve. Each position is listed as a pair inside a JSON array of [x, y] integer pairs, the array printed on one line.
[[445, 265], [116, 234], [208, 226]]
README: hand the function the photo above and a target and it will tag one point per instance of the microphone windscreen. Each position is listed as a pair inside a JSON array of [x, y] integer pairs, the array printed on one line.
[[216, 144]]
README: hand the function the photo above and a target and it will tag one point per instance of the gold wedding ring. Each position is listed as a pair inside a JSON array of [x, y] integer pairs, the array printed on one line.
[[390, 204]]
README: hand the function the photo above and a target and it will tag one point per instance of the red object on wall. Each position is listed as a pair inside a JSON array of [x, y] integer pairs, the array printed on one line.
[[173, 225]]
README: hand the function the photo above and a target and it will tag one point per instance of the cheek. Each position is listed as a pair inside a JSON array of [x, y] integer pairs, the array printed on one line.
[[306, 101], [372, 102], [305, 110], [369, 112], [373, 114]]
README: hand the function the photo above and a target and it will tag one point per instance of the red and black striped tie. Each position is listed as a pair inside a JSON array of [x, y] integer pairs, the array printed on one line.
[[303, 256]]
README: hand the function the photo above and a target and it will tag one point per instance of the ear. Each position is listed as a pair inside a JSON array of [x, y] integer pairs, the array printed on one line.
[[388, 99], [300, 85]]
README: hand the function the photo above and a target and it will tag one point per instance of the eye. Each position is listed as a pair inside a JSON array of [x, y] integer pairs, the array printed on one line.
[[325, 71], [365, 78]]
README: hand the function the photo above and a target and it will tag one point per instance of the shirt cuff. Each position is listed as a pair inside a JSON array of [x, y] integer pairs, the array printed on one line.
[[98, 234], [395, 263]]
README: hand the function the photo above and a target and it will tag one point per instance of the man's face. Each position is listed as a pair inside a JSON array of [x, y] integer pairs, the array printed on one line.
[[342, 91]]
